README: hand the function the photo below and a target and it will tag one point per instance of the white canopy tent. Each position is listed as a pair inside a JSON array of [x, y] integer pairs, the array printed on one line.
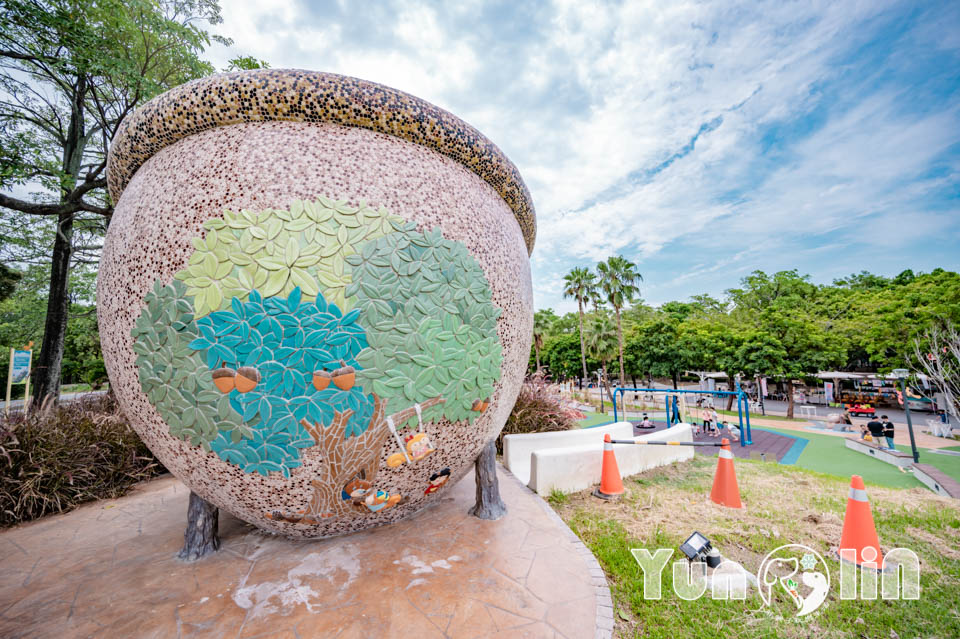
[[864, 376]]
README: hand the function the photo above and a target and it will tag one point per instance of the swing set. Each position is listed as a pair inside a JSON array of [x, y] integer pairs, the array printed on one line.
[[672, 402], [414, 447]]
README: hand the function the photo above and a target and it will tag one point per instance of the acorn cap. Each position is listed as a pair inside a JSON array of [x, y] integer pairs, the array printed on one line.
[[250, 373], [263, 95]]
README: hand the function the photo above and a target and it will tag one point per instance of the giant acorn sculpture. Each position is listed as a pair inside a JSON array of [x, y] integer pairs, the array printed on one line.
[[308, 277]]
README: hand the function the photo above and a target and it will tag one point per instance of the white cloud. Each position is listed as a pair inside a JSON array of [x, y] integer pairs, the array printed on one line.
[[590, 98]]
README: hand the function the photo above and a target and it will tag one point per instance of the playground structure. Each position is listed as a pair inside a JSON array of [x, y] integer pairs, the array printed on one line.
[[675, 407], [653, 405]]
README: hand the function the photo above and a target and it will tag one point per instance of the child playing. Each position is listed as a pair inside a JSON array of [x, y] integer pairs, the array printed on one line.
[[734, 431]]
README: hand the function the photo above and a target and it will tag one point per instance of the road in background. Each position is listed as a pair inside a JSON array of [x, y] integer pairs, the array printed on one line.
[[17, 404]]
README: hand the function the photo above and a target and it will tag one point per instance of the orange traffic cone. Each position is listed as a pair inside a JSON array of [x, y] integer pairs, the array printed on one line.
[[859, 532], [611, 486], [725, 490]]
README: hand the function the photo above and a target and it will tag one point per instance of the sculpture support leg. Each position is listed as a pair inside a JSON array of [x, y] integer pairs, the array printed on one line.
[[489, 505], [202, 535]]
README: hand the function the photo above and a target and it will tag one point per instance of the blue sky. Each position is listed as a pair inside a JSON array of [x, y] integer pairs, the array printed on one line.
[[702, 140]]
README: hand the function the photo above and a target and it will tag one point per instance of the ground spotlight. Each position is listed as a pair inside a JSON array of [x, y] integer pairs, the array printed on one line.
[[695, 547]]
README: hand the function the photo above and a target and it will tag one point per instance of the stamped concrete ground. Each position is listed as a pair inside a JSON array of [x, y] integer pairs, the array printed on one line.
[[108, 570]]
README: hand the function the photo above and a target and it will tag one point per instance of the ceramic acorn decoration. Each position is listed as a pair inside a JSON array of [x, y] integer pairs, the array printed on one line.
[[247, 379], [287, 333], [224, 379], [321, 379], [344, 377]]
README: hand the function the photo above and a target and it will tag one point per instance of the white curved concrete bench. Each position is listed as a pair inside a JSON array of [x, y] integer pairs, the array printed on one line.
[[895, 457], [518, 448], [578, 467]]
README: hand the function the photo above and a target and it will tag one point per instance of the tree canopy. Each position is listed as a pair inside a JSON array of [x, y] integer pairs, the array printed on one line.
[[70, 71], [778, 325]]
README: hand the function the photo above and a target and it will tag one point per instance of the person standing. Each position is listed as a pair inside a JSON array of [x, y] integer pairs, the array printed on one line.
[[888, 432], [876, 431]]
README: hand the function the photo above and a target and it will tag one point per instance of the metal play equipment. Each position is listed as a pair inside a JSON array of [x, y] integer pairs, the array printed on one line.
[[673, 416]]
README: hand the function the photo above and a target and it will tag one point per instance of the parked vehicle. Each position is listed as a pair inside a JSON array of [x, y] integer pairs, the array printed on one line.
[[860, 410]]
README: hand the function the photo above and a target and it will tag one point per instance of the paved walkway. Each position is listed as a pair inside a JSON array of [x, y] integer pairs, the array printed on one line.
[[108, 570], [17, 404]]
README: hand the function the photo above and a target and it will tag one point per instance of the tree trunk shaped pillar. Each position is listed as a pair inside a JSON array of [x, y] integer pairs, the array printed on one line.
[[202, 535], [489, 505]]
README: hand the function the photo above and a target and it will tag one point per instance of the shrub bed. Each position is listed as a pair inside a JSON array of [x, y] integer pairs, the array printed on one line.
[[537, 411], [53, 460]]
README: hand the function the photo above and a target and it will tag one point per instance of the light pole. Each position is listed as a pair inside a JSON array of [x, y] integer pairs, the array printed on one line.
[[599, 372], [901, 374], [763, 410]]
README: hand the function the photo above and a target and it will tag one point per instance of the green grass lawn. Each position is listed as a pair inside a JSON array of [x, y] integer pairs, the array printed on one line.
[[948, 464], [596, 419], [784, 504], [75, 388], [828, 454]]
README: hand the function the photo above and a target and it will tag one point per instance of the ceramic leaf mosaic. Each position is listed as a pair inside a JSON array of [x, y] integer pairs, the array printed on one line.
[[319, 325]]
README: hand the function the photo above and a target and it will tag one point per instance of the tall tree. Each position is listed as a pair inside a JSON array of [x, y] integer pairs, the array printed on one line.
[[937, 355], [709, 344], [602, 342], [70, 71], [561, 353], [8, 281], [782, 307], [618, 281], [568, 323], [654, 349], [542, 325], [581, 284], [246, 63]]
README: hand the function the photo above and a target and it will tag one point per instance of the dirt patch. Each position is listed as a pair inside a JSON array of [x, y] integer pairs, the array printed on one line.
[[946, 547]]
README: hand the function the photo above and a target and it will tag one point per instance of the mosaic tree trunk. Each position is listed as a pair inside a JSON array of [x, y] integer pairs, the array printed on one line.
[[489, 505], [202, 536], [316, 315]]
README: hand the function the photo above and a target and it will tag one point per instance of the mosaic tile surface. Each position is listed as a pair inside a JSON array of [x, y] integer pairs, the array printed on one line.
[[274, 291], [309, 96]]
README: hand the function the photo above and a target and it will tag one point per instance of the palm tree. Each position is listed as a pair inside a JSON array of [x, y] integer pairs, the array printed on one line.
[[581, 284], [596, 298], [618, 281], [602, 342], [542, 325]]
